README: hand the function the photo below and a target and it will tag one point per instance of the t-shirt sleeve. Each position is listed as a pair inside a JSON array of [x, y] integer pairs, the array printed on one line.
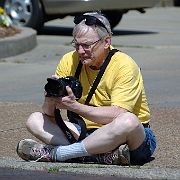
[[67, 65]]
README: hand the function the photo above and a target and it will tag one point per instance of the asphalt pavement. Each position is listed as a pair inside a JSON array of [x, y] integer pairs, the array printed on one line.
[[151, 39]]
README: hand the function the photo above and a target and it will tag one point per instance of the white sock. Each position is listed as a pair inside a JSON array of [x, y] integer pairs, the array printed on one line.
[[71, 151]]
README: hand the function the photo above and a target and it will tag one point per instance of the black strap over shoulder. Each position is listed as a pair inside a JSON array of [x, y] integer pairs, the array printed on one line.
[[99, 76], [78, 70], [75, 118]]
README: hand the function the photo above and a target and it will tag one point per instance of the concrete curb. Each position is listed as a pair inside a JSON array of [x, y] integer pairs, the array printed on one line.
[[20, 43], [135, 172]]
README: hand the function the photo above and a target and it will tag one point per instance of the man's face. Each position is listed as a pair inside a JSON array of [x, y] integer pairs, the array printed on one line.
[[90, 48]]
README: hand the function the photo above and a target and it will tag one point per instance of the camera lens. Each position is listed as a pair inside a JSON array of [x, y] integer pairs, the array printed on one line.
[[55, 87]]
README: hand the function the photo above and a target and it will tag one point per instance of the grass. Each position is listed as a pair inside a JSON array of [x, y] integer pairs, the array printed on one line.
[[15, 61]]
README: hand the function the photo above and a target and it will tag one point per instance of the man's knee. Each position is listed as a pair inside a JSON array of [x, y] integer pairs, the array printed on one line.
[[127, 122], [133, 130]]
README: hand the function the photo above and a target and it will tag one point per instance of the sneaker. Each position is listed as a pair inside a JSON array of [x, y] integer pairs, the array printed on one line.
[[31, 150], [120, 156]]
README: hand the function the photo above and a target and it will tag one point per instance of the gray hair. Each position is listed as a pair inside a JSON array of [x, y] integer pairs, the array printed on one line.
[[102, 18], [82, 28]]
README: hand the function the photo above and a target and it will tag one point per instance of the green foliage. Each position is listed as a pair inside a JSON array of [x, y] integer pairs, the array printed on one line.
[[4, 18]]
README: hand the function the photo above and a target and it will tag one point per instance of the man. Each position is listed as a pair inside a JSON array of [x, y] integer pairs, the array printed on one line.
[[118, 111]]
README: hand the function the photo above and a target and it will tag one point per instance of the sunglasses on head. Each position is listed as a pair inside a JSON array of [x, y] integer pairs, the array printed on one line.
[[89, 20]]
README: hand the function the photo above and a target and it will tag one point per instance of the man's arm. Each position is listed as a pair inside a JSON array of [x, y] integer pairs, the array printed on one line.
[[100, 115]]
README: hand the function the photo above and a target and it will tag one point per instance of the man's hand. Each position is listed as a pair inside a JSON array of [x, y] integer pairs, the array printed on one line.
[[55, 76], [66, 102]]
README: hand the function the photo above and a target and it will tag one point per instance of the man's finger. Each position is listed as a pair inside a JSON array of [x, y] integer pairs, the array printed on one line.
[[69, 91], [55, 77]]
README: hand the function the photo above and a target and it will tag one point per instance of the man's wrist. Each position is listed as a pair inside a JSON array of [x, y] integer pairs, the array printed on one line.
[[76, 107], [48, 106], [50, 116]]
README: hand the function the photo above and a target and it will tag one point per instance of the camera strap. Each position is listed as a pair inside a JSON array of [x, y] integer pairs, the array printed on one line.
[[75, 118], [99, 76], [60, 122]]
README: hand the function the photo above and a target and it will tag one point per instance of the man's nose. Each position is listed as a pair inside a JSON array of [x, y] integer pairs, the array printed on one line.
[[80, 49]]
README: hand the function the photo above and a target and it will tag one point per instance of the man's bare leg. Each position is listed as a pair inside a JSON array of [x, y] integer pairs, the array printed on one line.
[[45, 129], [126, 128]]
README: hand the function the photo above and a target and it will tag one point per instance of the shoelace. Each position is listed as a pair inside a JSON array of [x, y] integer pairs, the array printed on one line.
[[41, 153], [107, 158]]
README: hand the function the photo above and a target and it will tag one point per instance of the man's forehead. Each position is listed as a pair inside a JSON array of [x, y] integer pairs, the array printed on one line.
[[87, 31], [88, 36]]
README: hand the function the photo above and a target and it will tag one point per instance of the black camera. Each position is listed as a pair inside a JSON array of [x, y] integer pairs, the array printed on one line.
[[57, 87]]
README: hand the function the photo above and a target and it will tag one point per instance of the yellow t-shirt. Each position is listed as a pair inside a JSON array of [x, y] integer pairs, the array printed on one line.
[[121, 84]]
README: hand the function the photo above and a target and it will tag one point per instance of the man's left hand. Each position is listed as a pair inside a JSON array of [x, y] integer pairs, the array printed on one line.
[[67, 101]]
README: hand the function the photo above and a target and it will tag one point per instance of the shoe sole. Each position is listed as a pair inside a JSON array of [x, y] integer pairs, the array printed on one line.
[[123, 161], [124, 155]]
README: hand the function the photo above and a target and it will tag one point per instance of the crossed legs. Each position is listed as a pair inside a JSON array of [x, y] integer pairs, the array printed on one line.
[[126, 128]]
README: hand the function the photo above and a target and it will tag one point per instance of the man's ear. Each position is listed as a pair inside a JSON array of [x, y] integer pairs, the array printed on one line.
[[107, 42]]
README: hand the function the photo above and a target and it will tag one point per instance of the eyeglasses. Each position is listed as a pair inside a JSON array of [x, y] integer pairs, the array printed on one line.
[[84, 46], [89, 20]]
